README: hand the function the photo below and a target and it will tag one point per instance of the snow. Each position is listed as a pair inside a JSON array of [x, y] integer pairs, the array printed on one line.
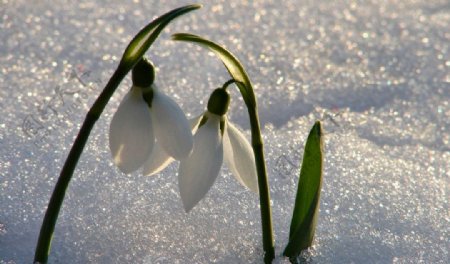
[[377, 73]]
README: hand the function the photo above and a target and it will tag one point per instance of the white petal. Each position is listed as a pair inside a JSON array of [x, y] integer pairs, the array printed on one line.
[[198, 172], [238, 155], [130, 133], [172, 129], [159, 159]]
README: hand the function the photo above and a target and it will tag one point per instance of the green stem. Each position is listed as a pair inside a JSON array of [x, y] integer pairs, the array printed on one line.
[[237, 72], [133, 53], [54, 206], [263, 184]]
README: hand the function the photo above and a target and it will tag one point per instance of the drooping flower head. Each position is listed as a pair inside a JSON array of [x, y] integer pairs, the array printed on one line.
[[215, 140], [146, 115]]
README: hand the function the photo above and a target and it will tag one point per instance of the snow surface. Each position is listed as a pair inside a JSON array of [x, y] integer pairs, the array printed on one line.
[[377, 73]]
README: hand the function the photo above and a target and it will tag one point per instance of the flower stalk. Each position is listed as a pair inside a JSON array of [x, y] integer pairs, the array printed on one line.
[[263, 183], [133, 54], [237, 72], [57, 198]]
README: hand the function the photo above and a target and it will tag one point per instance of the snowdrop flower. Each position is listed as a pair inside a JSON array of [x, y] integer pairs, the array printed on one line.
[[215, 140], [146, 114]]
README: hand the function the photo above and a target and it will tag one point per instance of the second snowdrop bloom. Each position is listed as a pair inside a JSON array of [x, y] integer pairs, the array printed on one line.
[[215, 140], [146, 114]]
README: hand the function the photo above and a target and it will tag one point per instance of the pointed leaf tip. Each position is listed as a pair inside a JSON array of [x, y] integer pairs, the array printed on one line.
[[317, 128], [306, 208]]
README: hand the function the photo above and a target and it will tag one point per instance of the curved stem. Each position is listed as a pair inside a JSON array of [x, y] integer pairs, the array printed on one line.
[[236, 70], [133, 53], [54, 206], [227, 83]]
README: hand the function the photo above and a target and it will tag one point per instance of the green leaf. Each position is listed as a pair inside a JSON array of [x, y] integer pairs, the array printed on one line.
[[233, 65], [306, 208], [142, 41]]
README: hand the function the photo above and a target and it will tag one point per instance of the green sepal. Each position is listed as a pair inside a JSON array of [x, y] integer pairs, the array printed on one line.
[[306, 208], [145, 38]]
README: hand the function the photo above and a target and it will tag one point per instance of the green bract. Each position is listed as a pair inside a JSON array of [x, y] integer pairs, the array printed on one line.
[[145, 38], [232, 64]]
